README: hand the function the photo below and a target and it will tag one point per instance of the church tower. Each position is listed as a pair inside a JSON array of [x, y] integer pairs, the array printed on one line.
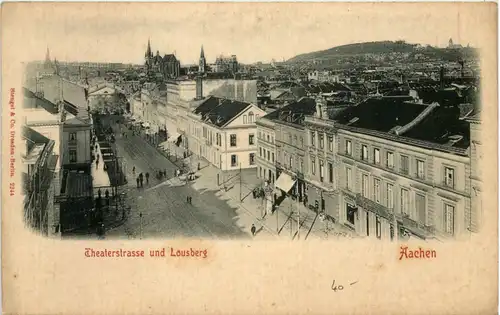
[[203, 63], [148, 56]]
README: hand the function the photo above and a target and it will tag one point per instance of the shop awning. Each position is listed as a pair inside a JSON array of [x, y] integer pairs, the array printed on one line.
[[284, 182], [173, 137]]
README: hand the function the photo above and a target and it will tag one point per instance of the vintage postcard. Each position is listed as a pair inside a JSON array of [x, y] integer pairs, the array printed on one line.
[[249, 158]]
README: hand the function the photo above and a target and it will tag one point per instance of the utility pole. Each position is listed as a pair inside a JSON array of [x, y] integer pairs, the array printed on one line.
[[140, 216], [240, 183]]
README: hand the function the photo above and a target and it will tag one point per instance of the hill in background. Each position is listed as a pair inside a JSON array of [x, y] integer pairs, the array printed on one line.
[[382, 47]]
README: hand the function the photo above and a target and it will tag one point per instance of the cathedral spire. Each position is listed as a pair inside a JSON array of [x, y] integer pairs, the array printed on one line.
[[148, 50], [202, 53], [47, 55], [202, 63]]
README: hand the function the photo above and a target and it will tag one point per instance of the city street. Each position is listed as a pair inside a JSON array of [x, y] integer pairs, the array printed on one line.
[[165, 212]]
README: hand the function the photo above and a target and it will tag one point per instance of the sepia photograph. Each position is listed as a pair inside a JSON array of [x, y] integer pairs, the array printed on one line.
[[187, 138], [373, 139]]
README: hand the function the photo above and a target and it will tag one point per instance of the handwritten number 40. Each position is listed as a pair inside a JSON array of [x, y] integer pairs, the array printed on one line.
[[340, 287]]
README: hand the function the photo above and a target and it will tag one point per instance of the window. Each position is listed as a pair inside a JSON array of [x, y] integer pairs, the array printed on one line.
[[449, 177], [233, 140], [301, 164], [272, 157], [420, 169], [330, 172], [250, 118], [376, 156], [364, 185], [448, 218], [321, 141], [404, 201], [313, 165], [364, 152], [290, 138], [251, 140], [272, 139], [390, 160], [72, 136], [378, 228], [348, 171], [348, 147], [269, 155], [351, 213], [313, 138], [291, 160], [234, 160], [260, 152], [330, 143], [72, 156], [321, 170], [419, 208], [252, 158], [285, 158], [301, 142], [267, 138], [376, 190], [390, 196], [260, 135], [405, 167], [245, 119]]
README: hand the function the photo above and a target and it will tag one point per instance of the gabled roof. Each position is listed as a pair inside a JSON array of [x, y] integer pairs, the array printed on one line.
[[220, 111]]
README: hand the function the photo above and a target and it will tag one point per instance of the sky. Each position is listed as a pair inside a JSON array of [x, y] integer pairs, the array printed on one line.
[[118, 32]]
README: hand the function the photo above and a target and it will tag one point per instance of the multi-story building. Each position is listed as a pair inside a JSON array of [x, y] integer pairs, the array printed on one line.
[[39, 165], [476, 158], [183, 96], [224, 132], [401, 166]]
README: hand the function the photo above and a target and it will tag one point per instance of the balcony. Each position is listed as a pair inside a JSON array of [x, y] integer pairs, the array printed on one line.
[[414, 226], [372, 206]]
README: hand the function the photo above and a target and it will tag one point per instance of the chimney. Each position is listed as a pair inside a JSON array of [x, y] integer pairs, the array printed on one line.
[[199, 88]]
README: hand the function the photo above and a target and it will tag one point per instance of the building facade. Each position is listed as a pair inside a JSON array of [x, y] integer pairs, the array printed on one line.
[[224, 133]]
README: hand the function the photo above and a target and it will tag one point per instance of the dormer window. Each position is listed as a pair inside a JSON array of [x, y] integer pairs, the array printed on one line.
[[250, 117]]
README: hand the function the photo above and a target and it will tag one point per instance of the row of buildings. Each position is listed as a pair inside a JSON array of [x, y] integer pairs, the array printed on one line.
[[57, 155], [390, 163]]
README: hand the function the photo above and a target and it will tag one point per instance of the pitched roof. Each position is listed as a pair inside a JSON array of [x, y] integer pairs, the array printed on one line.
[[169, 58], [34, 137], [31, 101], [220, 111], [434, 122], [294, 112]]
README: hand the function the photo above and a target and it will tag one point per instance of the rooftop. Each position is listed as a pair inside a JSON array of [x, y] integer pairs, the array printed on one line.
[[436, 123], [78, 185], [219, 111]]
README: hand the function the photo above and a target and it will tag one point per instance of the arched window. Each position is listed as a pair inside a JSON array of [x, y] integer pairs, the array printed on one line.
[[250, 117]]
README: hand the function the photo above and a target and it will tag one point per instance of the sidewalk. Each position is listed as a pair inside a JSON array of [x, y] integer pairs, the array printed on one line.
[[100, 177], [250, 211]]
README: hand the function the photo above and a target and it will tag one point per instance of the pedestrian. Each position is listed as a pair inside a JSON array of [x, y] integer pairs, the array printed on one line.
[[142, 181], [190, 200], [137, 180], [253, 229], [97, 163], [187, 199], [133, 170], [147, 178], [165, 173]]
